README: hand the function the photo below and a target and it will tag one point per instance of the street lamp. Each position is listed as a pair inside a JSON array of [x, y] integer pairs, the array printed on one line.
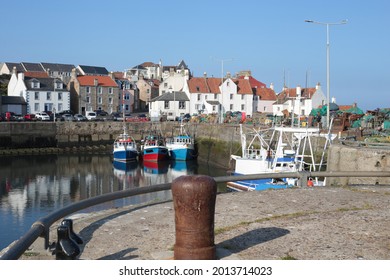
[[327, 61]]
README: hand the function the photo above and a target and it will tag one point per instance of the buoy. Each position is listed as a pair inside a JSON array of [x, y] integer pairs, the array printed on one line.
[[310, 183]]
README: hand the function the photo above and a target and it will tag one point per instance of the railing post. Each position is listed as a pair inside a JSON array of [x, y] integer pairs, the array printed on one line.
[[194, 202]]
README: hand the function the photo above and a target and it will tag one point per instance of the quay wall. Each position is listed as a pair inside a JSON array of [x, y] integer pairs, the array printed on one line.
[[216, 142], [20, 137], [351, 158]]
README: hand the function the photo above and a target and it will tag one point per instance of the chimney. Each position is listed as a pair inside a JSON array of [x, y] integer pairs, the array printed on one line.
[[95, 82], [111, 74], [228, 75], [271, 86], [299, 90], [246, 77], [73, 75], [318, 86], [334, 100], [205, 74], [14, 70]]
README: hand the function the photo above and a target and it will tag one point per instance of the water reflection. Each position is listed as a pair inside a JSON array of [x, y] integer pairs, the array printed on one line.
[[33, 186]]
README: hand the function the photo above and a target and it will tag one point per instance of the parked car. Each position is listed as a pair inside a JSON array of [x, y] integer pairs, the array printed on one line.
[[30, 117], [67, 117], [42, 116], [116, 116], [90, 115], [80, 118]]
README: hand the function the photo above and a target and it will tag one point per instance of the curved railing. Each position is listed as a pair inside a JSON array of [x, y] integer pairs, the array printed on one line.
[[41, 227]]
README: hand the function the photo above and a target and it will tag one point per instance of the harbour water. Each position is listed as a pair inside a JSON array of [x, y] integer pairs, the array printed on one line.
[[33, 186]]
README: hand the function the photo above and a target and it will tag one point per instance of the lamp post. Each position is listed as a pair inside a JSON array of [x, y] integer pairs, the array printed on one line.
[[327, 62]]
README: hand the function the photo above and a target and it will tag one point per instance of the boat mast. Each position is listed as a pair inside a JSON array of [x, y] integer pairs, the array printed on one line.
[[123, 108]]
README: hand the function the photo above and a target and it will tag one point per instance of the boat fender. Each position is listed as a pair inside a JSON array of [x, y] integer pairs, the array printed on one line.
[[310, 182]]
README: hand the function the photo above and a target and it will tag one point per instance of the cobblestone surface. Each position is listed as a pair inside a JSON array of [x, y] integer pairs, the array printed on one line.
[[318, 223]]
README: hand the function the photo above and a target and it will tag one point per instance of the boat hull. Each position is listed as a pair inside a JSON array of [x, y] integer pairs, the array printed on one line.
[[183, 154], [125, 155], [259, 184], [155, 154]]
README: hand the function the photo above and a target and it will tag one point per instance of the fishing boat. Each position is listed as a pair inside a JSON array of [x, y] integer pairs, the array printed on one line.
[[285, 151], [153, 147], [125, 148], [182, 146]]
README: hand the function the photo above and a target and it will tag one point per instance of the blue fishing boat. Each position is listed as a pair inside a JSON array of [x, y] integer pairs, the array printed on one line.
[[182, 146]]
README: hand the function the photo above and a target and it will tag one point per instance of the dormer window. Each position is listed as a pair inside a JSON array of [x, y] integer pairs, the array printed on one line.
[[197, 88], [35, 84], [58, 85]]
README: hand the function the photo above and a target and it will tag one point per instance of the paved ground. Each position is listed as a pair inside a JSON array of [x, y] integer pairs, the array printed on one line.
[[318, 223]]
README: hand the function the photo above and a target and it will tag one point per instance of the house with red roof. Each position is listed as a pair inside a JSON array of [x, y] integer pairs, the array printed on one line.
[[299, 101], [263, 98], [94, 92], [215, 95]]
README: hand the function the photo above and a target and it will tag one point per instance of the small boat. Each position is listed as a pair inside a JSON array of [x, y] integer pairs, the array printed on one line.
[[153, 147], [125, 148], [284, 152], [182, 146]]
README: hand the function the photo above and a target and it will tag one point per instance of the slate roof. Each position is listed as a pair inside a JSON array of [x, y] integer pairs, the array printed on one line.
[[172, 96], [32, 67], [57, 67], [104, 81], [11, 65], [46, 84], [7, 100], [93, 70]]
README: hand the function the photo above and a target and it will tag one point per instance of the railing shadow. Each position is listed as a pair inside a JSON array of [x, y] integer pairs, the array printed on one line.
[[251, 238], [87, 232]]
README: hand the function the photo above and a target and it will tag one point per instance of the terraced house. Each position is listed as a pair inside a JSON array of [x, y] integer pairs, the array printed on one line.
[[93, 92]]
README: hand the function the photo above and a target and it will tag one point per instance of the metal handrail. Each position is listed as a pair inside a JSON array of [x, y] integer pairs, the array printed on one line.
[[41, 227]]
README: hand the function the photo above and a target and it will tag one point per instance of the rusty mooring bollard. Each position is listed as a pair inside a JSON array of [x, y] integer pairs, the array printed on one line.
[[194, 202]]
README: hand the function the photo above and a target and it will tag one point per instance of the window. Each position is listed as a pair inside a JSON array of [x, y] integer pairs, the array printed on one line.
[[110, 90], [215, 96], [231, 96], [182, 104], [60, 107], [205, 97], [48, 95], [110, 100], [88, 99], [242, 97], [58, 85], [166, 104], [88, 89], [231, 107], [242, 107], [198, 97], [36, 95], [100, 100], [148, 91], [197, 89], [60, 96], [165, 85], [36, 107], [214, 107], [100, 90]]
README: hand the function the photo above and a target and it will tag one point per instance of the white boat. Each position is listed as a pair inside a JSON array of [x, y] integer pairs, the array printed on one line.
[[182, 146], [285, 151]]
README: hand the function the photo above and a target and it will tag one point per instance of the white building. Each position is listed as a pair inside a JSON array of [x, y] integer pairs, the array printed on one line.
[[41, 93]]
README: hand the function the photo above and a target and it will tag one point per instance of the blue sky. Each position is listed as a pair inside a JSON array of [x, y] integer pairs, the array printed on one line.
[[270, 38]]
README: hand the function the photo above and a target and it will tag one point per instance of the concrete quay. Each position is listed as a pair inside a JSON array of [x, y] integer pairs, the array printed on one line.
[[319, 223]]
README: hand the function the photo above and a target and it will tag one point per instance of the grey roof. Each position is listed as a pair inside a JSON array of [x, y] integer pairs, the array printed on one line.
[[94, 70], [213, 102], [7, 100], [172, 96], [11, 65], [57, 67], [46, 84], [32, 67]]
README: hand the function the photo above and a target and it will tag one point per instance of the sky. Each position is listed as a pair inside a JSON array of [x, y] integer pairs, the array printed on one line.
[[269, 38]]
